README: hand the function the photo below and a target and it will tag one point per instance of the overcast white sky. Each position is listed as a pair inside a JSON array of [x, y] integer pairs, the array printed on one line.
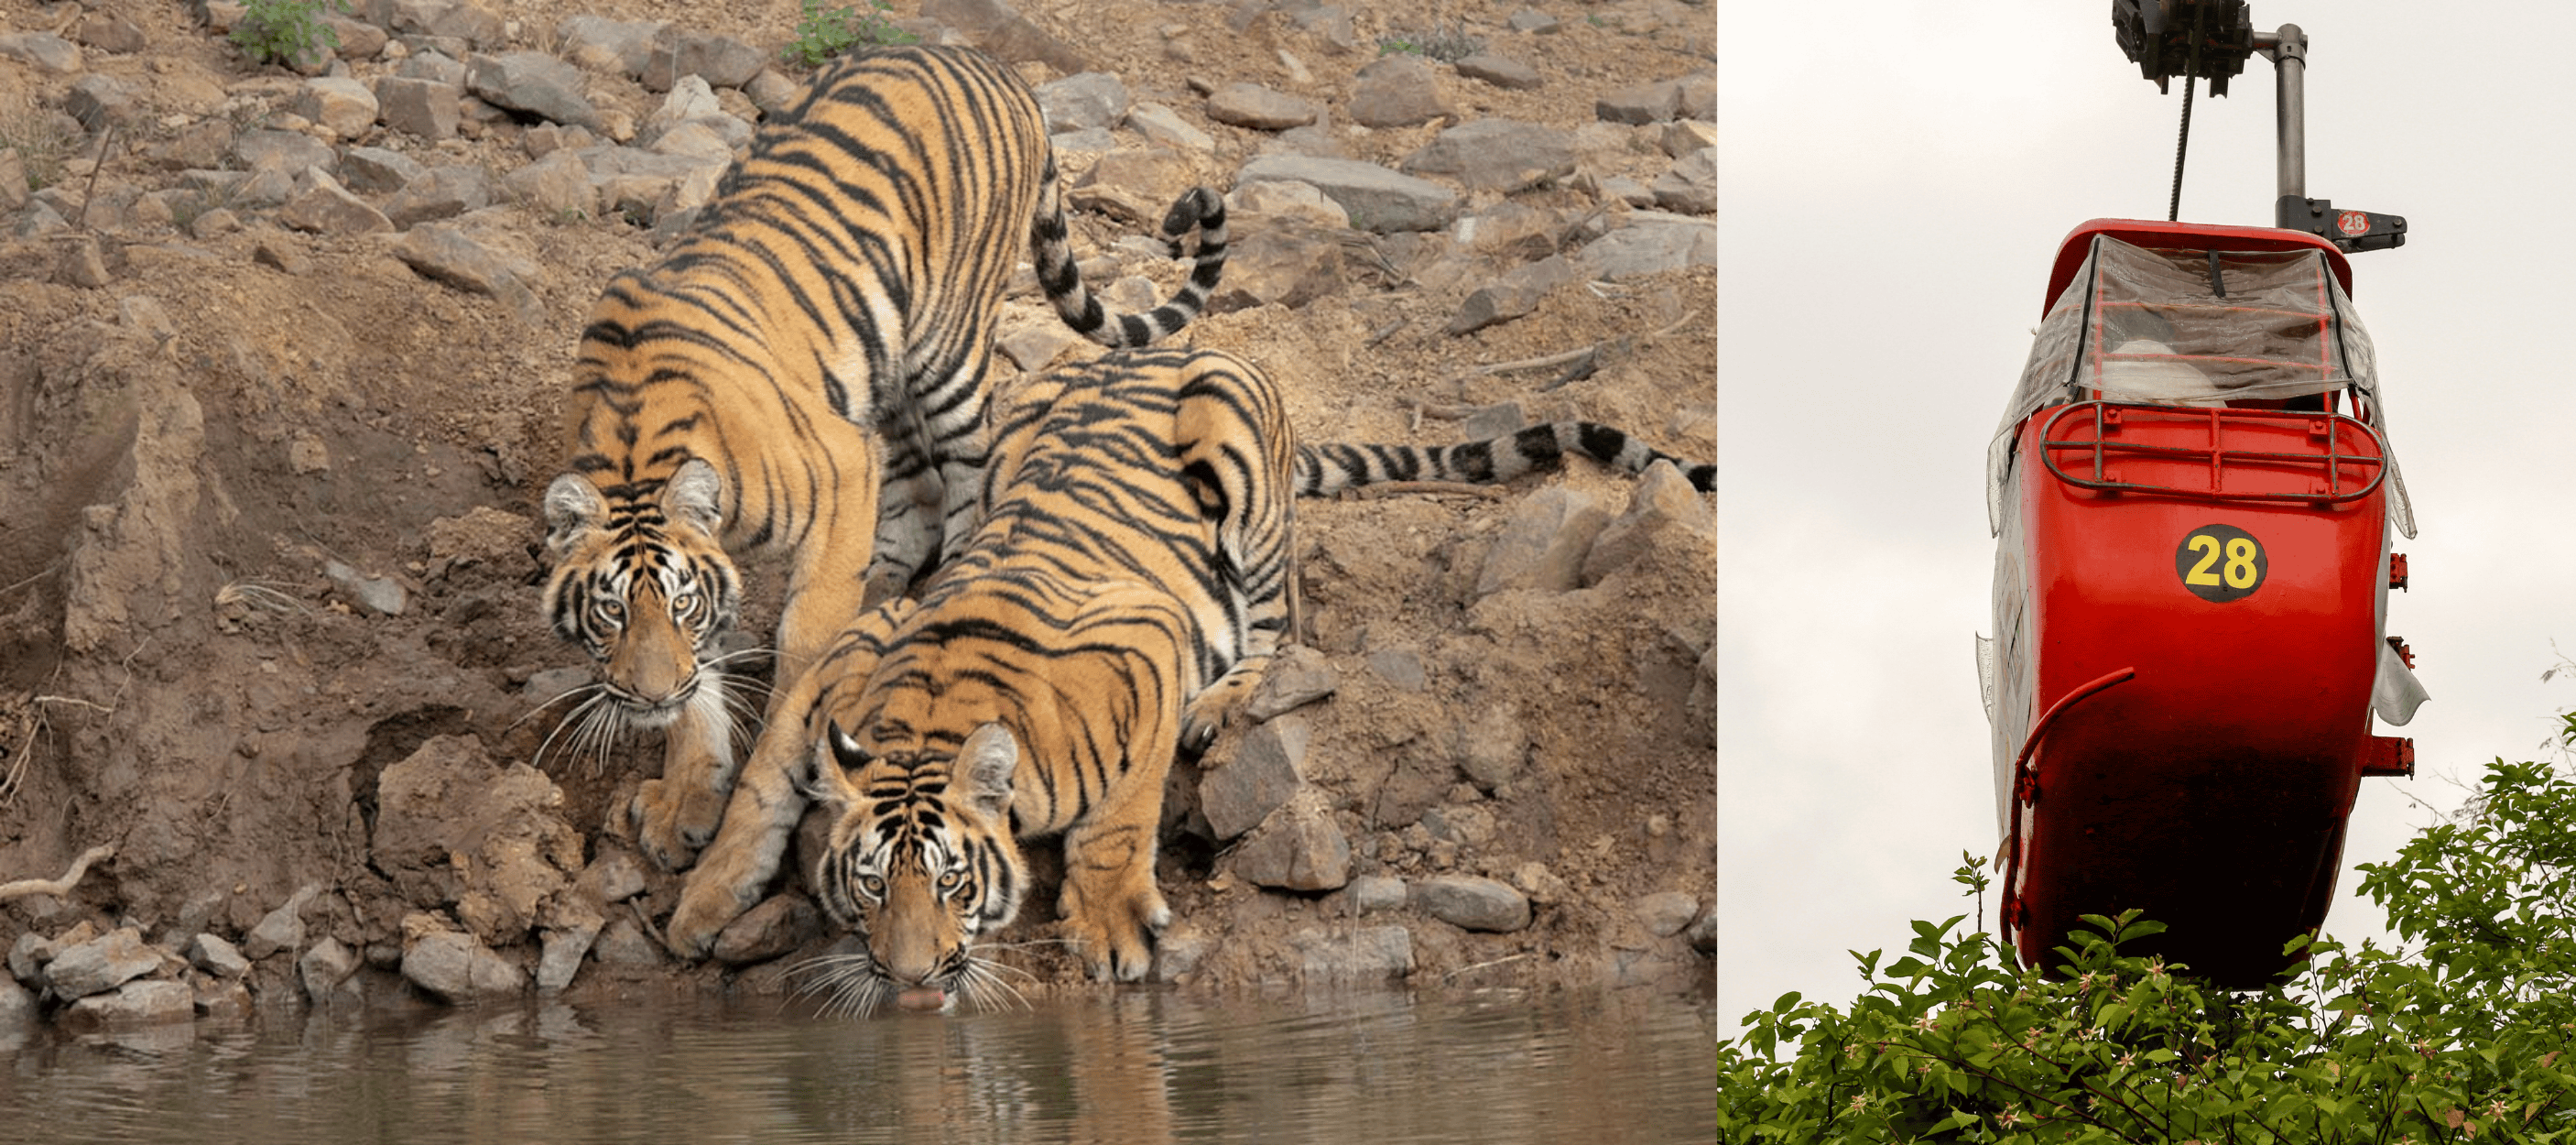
[[1894, 181]]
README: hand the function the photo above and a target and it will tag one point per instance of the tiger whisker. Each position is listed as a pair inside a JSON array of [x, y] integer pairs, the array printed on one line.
[[578, 719], [557, 698]]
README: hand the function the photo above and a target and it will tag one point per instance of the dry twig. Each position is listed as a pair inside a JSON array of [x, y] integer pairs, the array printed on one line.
[[1450, 488], [71, 878]]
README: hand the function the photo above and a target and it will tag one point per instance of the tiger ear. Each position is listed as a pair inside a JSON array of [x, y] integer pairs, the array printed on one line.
[[573, 507], [825, 778], [696, 495], [988, 758]]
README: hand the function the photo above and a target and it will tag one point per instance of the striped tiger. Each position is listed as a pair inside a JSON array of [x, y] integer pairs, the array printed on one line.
[[1125, 590], [824, 330], [1129, 584]]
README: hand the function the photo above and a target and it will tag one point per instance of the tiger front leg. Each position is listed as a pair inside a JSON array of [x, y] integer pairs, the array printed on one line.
[[730, 878], [1112, 908], [676, 815]]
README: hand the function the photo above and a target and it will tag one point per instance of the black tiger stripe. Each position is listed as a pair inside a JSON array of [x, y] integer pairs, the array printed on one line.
[[1330, 467]]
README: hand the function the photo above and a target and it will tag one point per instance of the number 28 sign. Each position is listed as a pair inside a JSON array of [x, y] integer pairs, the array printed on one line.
[[2221, 563]]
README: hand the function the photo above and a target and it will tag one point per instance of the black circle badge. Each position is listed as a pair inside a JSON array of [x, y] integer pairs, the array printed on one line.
[[2221, 563]]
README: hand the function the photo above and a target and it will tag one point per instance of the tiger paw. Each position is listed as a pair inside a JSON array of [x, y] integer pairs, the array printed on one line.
[[663, 825], [1117, 940], [1208, 713], [708, 901]]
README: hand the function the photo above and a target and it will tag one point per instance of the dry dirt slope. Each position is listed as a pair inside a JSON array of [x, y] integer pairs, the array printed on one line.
[[218, 447]]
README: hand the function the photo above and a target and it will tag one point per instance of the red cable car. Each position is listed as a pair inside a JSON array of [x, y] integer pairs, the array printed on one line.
[[2194, 499]]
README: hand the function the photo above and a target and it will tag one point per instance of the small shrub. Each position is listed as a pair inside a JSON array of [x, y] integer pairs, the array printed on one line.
[[286, 31], [1447, 43], [822, 33]]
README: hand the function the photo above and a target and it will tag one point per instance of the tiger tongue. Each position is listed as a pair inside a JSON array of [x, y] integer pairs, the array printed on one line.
[[922, 998]]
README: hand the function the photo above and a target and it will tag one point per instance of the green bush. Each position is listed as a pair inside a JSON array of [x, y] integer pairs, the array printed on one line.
[[822, 33], [286, 31], [2455, 1038]]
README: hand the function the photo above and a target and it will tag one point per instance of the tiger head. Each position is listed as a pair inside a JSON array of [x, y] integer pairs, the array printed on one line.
[[641, 582], [920, 863]]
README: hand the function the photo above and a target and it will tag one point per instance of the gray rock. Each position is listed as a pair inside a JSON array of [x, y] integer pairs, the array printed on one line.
[[1466, 825], [342, 106], [780, 923], [1690, 188], [451, 967], [83, 263], [1265, 773], [359, 40], [1540, 883], [533, 82], [435, 67], [1002, 33], [556, 186], [1399, 90], [454, 826], [447, 19], [1469, 902], [1092, 99], [1366, 954], [324, 967], [1164, 127], [381, 595], [563, 949], [772, 93], [695, 141], [27, 958], [1501, 419], [1282, 262], [134, 1004], [287, 152], [17, 1006], [722, 60], [547, 138], [1375, 894], [443, 193], [1663, 499], [1703, 934], [1665, 913], [1179, 952], [1297, 676], [212, 954], [625, 44], [1496, 155], [1299, 848], [444, 253], [1032, 345], [1642, 103], [1399, 667], [1622, 189], [1535, 22], [375, 170], [1077, 152], [422, 107], [281, 929], [1378, 200], [1259, 108], [689, 99], [624, 943], [276, 250], [214, 222], [1509, 232], [198, 145], [1543, 542], [1698, 95], [39, 219], [109, 34], [43, 51], [1651, 243], [1682, 137], [101, 964], [1514, 295], [1493, 747], [99, 101], [220, 999], [1499, 71]]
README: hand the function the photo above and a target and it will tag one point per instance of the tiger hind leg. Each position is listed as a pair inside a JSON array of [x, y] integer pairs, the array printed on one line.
[[1238, 455], [911, 505]]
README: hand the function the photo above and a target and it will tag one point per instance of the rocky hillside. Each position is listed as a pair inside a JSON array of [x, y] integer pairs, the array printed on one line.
[[286, 345]]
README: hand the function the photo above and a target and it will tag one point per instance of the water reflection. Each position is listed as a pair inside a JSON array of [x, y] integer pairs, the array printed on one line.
[[1134, 1068]]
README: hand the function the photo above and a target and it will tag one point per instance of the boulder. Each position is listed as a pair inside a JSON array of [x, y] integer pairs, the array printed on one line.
[[1469, 902], [532, 82], [1378, 200]]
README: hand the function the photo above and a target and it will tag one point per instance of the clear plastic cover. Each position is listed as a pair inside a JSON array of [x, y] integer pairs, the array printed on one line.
[[2148, 325]]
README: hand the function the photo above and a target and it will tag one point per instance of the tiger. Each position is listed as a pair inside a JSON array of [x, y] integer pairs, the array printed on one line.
[[1130, 582], [804, 374]]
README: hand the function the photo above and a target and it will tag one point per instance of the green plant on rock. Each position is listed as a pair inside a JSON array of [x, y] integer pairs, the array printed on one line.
[[822, 33], [2461, 1037], [286, 31]]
